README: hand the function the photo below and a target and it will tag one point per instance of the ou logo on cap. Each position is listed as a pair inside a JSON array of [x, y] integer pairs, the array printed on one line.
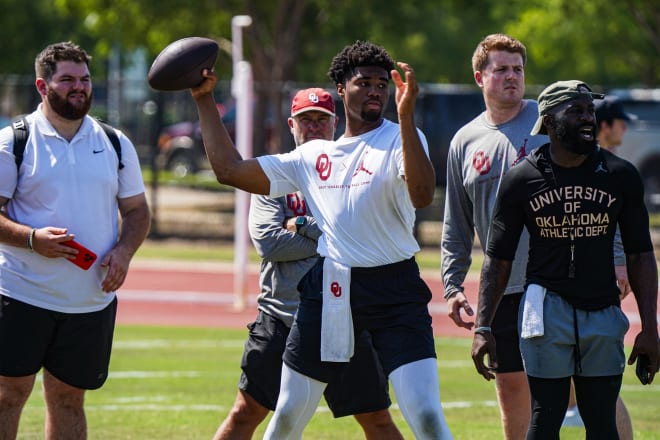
[[313, 97]]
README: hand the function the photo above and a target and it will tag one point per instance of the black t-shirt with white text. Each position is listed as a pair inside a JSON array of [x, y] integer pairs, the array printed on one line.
[[571, 215]]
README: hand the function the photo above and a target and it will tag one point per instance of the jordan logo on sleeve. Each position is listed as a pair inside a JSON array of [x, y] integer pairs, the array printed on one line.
[[522, 153]]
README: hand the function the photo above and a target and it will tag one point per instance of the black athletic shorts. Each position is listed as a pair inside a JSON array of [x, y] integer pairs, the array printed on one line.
[[505, 331], [390, 302], [262, 368], [73, 347]]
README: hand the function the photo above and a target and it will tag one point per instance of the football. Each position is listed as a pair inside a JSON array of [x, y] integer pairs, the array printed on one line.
[[179, 66]]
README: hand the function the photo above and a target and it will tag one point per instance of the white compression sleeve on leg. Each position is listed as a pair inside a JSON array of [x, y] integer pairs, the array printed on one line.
[[417, 392], [299, 397]]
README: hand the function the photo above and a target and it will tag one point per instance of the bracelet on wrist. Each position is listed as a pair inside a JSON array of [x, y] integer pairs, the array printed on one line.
[[30, 239], [483, 330]]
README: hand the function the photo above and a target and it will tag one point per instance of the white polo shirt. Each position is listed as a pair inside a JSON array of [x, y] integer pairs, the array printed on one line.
[[74, 185]]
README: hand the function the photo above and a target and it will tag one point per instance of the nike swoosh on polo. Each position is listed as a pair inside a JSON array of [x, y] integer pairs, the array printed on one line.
[[98, 151]]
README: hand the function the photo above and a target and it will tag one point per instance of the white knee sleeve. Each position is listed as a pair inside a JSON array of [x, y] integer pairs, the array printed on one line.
[[299, 397], [418, 395]]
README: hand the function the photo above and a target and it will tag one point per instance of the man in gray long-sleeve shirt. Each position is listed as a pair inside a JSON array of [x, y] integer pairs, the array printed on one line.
[[480, 154], [285, 233]]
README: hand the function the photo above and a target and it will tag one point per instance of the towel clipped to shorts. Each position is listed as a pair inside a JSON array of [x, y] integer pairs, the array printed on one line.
[[337, 339], [532, 320]]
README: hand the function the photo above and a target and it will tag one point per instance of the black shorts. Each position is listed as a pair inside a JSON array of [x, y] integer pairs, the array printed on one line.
[[505, 331], [73, 347], [390, 302], [262, 368]]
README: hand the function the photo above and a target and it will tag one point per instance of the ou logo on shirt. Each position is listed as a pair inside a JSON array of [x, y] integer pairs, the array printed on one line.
[[481, 162], [296, 204], [323, 166], [335, 289]]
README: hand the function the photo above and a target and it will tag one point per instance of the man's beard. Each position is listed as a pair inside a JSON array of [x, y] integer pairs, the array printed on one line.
[[65, 109], [571, 140], [372, 116]]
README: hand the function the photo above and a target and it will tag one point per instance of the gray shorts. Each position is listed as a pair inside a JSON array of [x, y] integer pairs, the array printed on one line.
[[556, 354]]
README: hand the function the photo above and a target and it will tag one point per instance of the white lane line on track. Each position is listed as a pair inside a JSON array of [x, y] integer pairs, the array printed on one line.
[[176, 296], [228, 298]]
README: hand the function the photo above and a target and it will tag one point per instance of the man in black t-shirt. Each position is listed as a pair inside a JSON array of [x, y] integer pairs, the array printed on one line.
[[571, 195]]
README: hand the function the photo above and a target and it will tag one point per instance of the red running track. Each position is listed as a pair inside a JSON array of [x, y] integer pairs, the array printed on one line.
[[201, 295]]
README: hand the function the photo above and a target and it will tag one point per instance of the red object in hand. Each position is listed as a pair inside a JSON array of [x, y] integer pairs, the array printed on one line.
[[85, 258]]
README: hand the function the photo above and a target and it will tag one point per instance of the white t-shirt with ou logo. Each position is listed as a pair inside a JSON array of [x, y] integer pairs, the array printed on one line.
[[356, 190]]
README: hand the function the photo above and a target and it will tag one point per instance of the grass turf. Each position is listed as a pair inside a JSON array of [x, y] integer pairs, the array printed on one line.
[[179, 383]]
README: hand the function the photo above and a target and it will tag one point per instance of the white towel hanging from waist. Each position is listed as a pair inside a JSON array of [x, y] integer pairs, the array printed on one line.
[[337, 339], [532, 320]]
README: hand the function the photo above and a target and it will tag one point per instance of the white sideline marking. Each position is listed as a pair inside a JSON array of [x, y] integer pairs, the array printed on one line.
[[455, 364], [152, 374], [641, 388], [216, 408], [175, 374]]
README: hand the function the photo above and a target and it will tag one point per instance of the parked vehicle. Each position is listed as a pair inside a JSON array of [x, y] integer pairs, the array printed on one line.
[[180, 147], [641, 142]]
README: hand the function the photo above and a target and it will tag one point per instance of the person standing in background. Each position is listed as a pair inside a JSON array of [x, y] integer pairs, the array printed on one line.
[[570, 195], [612, 122], [479, 156], [70, 184]]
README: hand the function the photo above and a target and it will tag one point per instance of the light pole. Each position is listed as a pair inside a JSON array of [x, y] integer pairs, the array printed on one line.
[[242, 91]]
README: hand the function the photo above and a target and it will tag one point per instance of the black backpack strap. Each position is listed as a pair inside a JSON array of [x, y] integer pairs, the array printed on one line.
[[114, 139], [20, 127]]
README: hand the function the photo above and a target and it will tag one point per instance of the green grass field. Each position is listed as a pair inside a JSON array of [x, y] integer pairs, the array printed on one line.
[[179, 383]]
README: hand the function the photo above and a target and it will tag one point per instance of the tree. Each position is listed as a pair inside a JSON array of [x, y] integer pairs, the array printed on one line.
[[595, 40], [293, 41]]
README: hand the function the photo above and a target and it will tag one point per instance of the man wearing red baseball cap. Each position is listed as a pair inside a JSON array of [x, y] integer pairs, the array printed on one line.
[[312, 99], [285, 234], [312, 116]]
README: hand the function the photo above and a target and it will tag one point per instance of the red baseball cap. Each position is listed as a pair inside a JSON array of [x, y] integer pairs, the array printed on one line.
[[312, 99]]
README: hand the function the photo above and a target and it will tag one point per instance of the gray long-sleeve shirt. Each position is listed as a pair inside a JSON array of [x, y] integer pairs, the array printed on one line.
[[479, 155], [286, 256]]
